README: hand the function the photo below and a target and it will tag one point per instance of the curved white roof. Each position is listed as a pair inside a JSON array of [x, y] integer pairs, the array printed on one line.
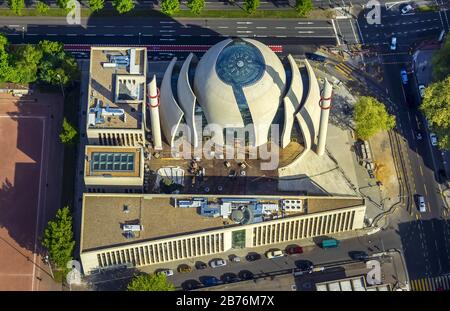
[[238, 82]]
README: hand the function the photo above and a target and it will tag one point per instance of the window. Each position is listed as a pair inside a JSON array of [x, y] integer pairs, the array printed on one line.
[[102, 161]]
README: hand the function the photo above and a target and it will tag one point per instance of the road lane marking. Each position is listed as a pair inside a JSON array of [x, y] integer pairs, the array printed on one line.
[[426, 191], [421, 170], [223, 27], [261, 27]]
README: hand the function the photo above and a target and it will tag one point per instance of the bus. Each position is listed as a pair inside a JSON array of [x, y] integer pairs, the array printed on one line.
[[330, 243]]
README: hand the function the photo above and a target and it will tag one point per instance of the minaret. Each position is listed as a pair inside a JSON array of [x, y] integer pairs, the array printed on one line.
[[153, 104], [325, 105]]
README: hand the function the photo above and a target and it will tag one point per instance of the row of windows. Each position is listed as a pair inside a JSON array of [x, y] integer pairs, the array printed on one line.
[[164, 251], [121, 139], [104, 190], [303, 228]]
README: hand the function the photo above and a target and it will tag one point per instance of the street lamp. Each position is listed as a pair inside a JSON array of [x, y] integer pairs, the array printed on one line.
[[60, 83], [139, 38], [23, 32]]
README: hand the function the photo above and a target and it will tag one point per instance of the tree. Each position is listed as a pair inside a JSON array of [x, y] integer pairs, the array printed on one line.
[[371, 117], [441, 61], [152, 282], [16, 6], [58, 238], [62, 3], [68, 133], [436, 108], [5, 67], [123, 6], [96, 5], [25, 60], [303, 7], [250, 6], [196, 6], [170, 7], [41, 7]]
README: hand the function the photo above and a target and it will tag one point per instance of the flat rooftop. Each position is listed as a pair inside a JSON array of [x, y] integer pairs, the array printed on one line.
[[112, 161], [104, 215], [122, 79]]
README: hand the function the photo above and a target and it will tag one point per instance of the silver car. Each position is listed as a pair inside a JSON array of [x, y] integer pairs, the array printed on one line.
[[218, 263]]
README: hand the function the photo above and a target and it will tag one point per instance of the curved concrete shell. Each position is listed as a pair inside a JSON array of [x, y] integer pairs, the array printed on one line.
[[309, 115], [187, 99], [171, 114], [291, 101], [239, 82]]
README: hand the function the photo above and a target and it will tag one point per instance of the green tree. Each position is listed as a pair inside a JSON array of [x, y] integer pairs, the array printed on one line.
[[41, 7], [5, 67], [170, 7], [68, 133], [123, 6], [16, 6], [150, 282], [371, 117], [96, 5], [441, 61], [25, 60], [436, 108], [303, 7], [56, 66], [196, 6], [250, 6], [58, 238], [62, 3]]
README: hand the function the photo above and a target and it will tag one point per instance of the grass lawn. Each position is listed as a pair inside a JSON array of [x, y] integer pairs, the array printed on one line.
[[428, 8]]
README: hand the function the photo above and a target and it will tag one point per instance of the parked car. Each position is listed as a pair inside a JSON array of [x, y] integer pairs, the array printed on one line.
[[229, 278], [209, 280], [235, 258], [394, 43], [442, 176], [408, 8], [253, 256], [246, 275], [421, 203], [433, 139], [404, 76], [422, 90], [358, 255], [294, 249], [200, 265], [216, 263], [304, 265], [184, 268], [274, 254], [190, 285], [167, 272]]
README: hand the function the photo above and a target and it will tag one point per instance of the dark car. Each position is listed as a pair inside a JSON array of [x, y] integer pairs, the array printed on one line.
[[200, 265], [209, 280], [246, 275], [442, 176], [190, 285], [253, 256], [358, 255], [294, 249], [304, 265], [184, 268], [229, 278]]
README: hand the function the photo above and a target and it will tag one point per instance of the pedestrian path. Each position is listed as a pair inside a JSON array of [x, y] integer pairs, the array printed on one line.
[[437, 283], [345, 69]]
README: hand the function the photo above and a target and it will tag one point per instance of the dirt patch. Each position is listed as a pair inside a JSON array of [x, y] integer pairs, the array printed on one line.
[[384, 165]]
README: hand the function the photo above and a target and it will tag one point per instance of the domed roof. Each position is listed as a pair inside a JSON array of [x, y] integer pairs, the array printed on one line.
[[238, 82]]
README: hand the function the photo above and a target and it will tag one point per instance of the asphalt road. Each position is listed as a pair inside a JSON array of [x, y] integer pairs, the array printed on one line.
[[425, 236], [157, 30]]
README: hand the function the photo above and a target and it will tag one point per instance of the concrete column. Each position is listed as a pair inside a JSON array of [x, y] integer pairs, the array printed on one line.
[[153, 99], [324, 116]]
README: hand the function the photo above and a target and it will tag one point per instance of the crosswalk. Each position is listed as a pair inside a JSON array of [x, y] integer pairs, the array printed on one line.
[[437, 283], [345, 69]]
